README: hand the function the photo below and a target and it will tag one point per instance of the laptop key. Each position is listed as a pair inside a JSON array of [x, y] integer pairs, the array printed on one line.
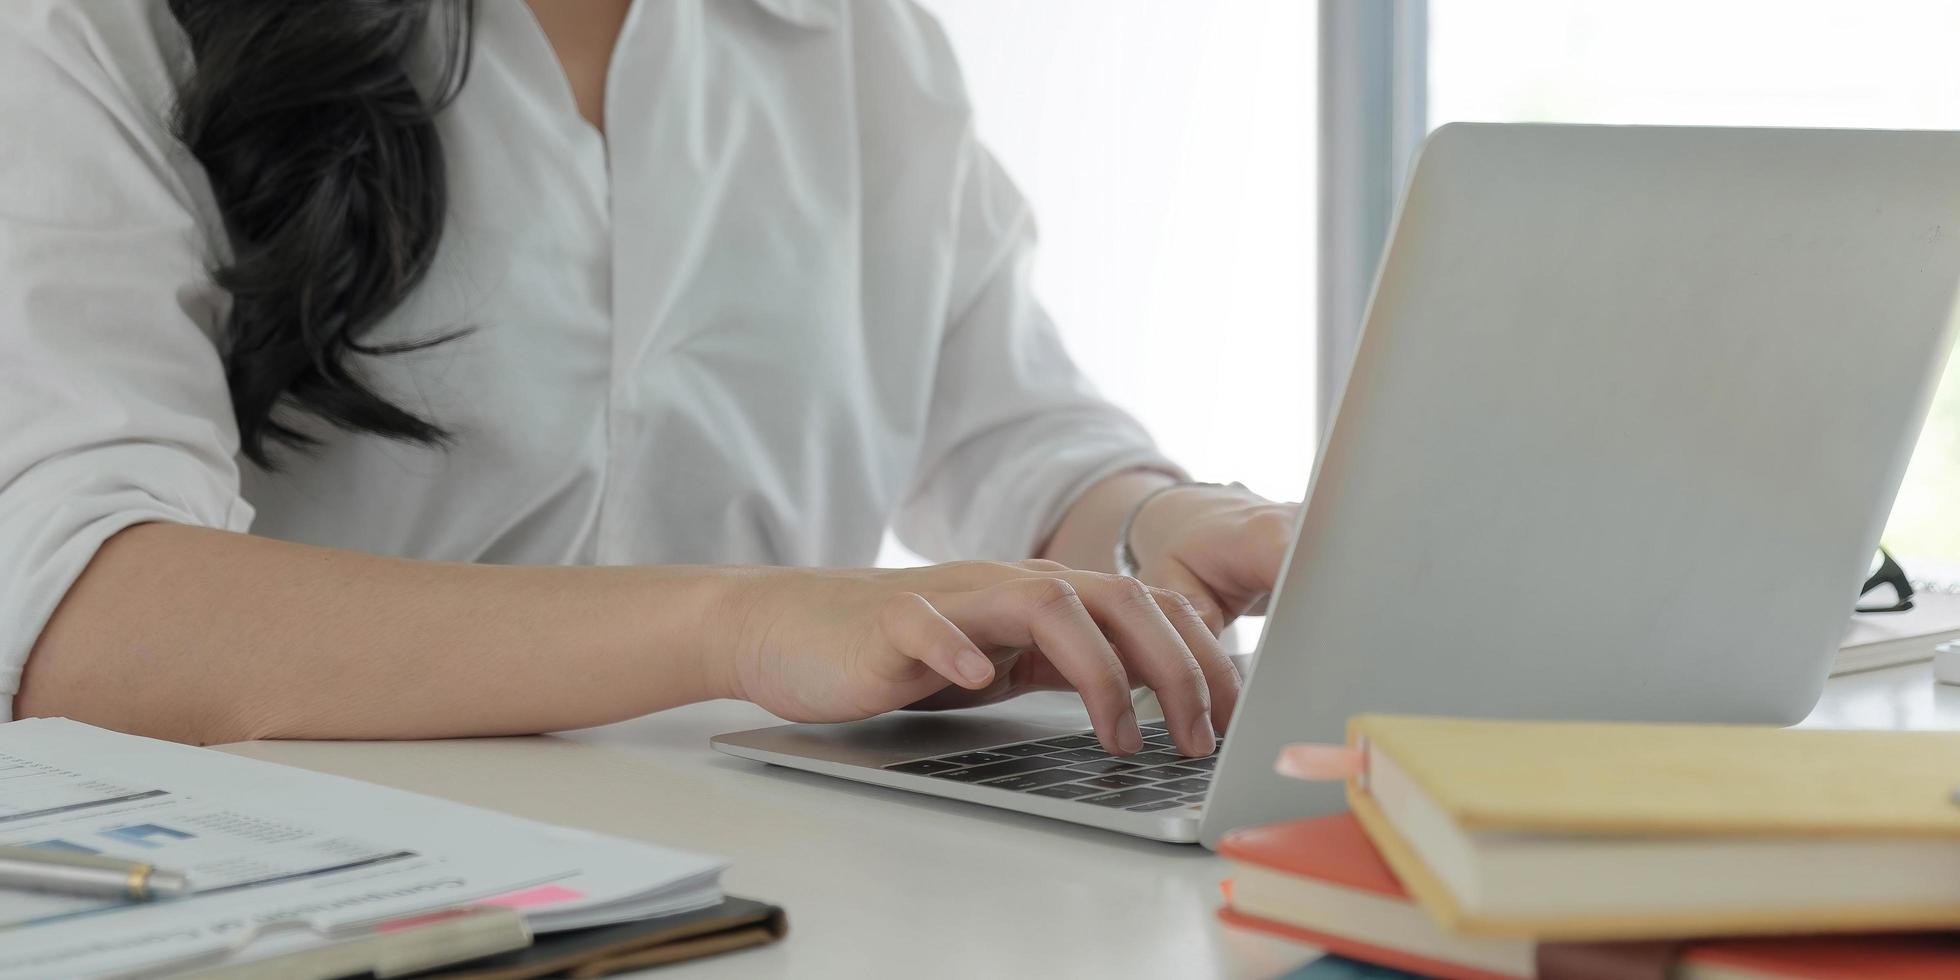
[[973, 758], [1150, 728], [923, 767], [1207, 763], [1106, 765], [1186, 785], [1023, 749], [1159, 805], [1009, 767], [1129, 797], [1065, 791], [1169, 772], [962, 776], [1068, 741], [1079, 755], [1193, 798], [1115, 780], [1034, 780], [1156, 758]]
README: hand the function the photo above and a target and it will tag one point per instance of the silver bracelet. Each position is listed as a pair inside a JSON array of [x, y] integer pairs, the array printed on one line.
[[1126, 557]]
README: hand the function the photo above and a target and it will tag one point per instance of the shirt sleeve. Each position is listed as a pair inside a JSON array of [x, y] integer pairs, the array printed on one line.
[[113, 404], [1015, 432]]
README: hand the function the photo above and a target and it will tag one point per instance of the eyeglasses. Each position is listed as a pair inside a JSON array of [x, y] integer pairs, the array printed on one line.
[[1886, 572]]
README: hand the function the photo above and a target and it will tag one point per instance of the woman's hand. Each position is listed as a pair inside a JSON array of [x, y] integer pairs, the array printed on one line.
[[838, 645], [1220, 547]]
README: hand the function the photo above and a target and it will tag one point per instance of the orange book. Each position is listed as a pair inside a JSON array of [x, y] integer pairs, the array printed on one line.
[[1322, 882]]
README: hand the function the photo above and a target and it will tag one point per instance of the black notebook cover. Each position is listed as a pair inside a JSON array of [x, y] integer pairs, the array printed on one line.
[[736, 923]]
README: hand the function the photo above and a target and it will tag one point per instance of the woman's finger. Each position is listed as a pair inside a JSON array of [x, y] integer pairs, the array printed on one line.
[[948, 698], [914, 628], [1221, 675], [1171, 574], [1048, 614], [1155, 653], [1183, 596], [1237, 563], [1250, 566]]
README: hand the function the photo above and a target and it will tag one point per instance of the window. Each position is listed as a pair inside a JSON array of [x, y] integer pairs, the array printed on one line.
[[1167, 148], [1885, 64]]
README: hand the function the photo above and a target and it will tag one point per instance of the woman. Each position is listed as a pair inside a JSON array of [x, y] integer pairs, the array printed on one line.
[[420, 368]]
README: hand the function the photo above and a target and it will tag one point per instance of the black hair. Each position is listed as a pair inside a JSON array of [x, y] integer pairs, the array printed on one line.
[[323, 156]]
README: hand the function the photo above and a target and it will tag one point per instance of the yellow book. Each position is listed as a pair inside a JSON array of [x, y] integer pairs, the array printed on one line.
[[1560, 830]]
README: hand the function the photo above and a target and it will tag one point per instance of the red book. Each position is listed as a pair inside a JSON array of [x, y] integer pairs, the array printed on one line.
[[1322, 882]]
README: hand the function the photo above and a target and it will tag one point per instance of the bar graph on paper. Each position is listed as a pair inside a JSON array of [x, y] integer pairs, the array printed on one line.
[[36, 789]]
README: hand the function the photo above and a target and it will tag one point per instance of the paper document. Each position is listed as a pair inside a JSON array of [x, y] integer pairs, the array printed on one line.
[[1873, 640], [281, 859]]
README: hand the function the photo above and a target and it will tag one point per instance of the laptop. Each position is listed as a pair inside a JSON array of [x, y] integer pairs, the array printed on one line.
[[1622, 429]]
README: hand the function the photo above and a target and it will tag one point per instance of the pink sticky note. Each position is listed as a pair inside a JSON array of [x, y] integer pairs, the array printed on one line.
[[529, 898], [532, 898], [1310, 761]]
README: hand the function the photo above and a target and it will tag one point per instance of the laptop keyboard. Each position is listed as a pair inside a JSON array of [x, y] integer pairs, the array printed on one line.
[[1075, 767]]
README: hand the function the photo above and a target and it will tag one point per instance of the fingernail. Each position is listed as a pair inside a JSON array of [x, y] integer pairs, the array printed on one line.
[[1128, 737], [1202, 737], [974, 667]]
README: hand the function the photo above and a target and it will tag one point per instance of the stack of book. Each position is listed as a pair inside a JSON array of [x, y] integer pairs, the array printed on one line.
[[1482, 849]]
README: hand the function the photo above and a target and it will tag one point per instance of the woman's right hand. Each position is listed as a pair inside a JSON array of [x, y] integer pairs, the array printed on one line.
[[828, 645]]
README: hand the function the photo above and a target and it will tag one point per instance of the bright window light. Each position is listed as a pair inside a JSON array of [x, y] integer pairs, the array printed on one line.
[[1167, 147], [1881, 64]]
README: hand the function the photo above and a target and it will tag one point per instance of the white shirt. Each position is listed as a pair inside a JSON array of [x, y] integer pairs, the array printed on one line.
[[781, 305]]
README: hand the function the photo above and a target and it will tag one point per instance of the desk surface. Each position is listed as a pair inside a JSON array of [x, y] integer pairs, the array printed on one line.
[[883, 883]]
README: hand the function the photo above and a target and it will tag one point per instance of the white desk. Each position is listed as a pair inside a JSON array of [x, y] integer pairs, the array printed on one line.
[[881, 883]]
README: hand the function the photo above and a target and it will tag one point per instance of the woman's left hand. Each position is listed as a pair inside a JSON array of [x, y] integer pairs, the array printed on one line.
[[1219, 547]]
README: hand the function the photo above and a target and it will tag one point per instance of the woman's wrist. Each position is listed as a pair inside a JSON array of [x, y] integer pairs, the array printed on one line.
[[1127, 560], [1090, 529], [1155, 520], [723, 608]]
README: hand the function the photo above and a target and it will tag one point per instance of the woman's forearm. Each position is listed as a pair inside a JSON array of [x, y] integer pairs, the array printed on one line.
[[208, 636]]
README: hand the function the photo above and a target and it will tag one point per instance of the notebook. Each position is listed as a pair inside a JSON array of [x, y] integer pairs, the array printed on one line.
[[1513, 828], [1874, 640], [1323, 882]]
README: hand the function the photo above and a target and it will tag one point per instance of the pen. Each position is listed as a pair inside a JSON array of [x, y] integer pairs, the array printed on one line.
[[86, 875]]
